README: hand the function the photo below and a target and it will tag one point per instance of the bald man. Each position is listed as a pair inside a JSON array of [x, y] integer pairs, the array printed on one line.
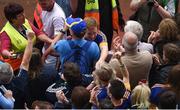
[[137, 63]]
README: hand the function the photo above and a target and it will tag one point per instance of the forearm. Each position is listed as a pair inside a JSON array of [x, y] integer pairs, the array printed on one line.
[[163, 13], [124, 71], [104, 53], [27, 55], [45, 38], [58, 37]]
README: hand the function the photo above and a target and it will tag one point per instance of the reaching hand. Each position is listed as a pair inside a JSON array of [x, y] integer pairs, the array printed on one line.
[[8, 94], [61, 96], [30, 34], [154, 37]]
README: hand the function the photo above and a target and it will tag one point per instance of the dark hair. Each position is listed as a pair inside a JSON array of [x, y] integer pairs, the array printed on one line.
[[12, 10], [72, 74], [80, 35], [173, 78], [172, 52], [80, 98], [117, 89], [167, 100], [35, 64], [42, 105]]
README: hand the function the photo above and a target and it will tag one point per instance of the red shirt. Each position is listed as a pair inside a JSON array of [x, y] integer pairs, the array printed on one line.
[[5, 41]]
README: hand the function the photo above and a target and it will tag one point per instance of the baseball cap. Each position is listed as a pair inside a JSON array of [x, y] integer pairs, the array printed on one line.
[[77, 25]]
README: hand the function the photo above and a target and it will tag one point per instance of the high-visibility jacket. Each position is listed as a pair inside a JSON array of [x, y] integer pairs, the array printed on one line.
[[18, 42], [37, 16], [92, 10]]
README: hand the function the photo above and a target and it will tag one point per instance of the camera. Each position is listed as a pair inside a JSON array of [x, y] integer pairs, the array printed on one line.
[[150, 2]]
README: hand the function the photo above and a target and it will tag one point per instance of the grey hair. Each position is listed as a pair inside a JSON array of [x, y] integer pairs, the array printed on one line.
[[127, 41], [6, 73], [134, 27]]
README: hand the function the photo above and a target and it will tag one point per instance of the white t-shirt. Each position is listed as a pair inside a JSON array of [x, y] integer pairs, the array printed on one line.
[[53, 20]]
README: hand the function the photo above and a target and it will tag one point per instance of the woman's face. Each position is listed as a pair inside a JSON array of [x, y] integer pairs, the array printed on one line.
[[20, 19], [91, 33]]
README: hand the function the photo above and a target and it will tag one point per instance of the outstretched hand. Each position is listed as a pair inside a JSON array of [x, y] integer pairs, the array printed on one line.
[[30, 34]]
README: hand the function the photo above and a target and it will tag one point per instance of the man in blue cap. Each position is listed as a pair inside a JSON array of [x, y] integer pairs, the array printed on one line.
[[77, 50]]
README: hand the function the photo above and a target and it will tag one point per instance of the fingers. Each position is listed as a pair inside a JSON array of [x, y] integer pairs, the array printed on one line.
[[30, 34]]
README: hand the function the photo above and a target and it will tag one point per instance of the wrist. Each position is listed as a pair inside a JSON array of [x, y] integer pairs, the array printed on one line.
[[63, 31]]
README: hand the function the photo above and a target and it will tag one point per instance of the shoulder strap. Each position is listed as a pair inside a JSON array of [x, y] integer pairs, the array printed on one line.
[[71, 44], [86, 45]]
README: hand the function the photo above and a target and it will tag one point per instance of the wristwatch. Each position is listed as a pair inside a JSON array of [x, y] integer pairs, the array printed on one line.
[[63, 31]]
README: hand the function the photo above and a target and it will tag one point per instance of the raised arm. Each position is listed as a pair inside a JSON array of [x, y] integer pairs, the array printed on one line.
[[123, 68], [163, 12], [28, 51], [103, 55]]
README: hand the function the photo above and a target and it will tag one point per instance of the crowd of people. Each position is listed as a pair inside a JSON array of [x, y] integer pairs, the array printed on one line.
[[67, 58]]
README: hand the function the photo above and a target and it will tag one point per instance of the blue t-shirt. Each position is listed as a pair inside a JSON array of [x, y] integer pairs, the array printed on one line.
[[155, 93], [102, 93], [62, 48]]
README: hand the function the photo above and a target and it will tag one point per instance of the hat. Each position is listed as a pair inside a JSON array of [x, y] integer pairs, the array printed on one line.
[[6, 73], [77, 25]]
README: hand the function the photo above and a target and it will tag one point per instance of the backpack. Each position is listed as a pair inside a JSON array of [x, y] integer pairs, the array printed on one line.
[[78, 55]]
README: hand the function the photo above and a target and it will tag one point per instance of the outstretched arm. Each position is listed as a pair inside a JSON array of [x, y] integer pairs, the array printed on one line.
[[163, 12], [28, 51], [123, 68], [104, 54]]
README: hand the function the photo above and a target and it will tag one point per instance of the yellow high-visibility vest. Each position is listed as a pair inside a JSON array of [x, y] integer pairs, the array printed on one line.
[[18, 42]]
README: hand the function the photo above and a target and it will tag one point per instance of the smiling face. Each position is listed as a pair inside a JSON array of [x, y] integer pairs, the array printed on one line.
[[91, 33]]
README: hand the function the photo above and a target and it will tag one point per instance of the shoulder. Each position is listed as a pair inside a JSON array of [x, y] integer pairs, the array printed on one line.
[[146, 53], [3, 35], [102, 36], [58, 11], [60, 43], [93, 45]]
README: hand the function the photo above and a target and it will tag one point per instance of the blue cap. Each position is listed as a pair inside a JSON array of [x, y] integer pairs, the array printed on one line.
[[77, 25]]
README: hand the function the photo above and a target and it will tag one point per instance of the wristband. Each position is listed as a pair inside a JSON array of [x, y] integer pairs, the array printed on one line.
[[62, 31]]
